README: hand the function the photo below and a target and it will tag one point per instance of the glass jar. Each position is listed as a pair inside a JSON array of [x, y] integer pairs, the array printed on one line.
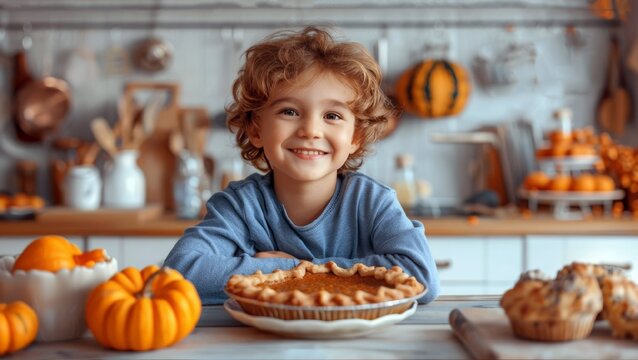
[[405, 183]]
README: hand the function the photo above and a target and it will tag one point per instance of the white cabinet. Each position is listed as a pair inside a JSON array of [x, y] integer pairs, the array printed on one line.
[[478, 264], [134, 251], [550, 253], [15, 244]]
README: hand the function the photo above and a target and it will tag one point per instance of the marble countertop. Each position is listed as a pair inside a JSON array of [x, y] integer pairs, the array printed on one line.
[[424, 335]]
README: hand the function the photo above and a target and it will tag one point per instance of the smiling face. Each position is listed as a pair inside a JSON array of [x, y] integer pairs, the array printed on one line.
[[306, 128]]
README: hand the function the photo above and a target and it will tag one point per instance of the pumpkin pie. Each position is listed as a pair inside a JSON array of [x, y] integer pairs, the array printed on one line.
[[323, 285]]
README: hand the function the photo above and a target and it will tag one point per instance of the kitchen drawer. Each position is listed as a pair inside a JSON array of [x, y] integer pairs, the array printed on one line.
[[465, 254], [484, 259], [135, 251], [550, 253], [14, 245], [475, 288]]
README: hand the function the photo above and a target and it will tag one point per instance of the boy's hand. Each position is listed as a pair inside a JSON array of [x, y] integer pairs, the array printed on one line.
[[273, 254]]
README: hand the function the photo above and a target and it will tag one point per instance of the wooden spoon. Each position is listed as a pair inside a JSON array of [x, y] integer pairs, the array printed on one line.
[[139, 135], [126, 121], [104, 135], [176, 142]]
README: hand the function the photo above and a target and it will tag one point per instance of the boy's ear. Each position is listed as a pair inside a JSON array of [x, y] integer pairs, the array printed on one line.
[[253, 133], [354, 146], [356, 142]]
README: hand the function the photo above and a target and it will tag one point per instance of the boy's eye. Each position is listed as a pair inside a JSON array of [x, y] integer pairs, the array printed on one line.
[[288, 112], [333, 116]]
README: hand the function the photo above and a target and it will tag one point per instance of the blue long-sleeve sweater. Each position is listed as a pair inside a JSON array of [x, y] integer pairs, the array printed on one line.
[[363, 222]]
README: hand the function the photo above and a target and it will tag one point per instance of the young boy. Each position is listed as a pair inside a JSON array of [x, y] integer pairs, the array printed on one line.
[[306, 108]]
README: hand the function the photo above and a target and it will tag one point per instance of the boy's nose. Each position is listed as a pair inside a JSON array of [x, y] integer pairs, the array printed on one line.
[[310, 127]]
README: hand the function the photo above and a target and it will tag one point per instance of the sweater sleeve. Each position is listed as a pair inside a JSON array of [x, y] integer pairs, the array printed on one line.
[[218, 247], [397, 240]]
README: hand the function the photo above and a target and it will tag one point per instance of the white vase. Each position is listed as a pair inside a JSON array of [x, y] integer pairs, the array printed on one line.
[[124, 182], [83, 188]]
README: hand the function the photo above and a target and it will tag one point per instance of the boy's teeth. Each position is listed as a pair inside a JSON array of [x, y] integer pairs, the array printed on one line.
[[308, 152]]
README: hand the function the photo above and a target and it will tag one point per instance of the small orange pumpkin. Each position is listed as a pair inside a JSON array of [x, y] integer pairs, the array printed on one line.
[[143, 310], [54, 253], [434, 88], [18, 326]]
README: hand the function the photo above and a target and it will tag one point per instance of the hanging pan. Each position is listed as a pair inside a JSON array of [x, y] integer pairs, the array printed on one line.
[[41, 106]]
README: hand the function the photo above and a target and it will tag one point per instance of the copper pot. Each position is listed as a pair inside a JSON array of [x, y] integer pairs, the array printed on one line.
[[152, 54], [42, 105]]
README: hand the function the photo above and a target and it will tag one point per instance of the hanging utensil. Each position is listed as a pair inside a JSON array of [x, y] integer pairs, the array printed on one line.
[[614, 107], [153, 54], [43, 104], [116, 59]]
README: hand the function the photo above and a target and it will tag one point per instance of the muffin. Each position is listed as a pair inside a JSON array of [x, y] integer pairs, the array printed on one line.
[[620, 296], [562, 309], [598, 271]]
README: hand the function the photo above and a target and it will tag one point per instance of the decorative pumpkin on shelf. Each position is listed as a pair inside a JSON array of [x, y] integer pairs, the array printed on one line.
[[18, 326], [433, 89], [54, 253], [143, 310]]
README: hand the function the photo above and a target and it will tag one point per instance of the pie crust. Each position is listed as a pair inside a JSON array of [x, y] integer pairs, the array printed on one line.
[[326, 284]]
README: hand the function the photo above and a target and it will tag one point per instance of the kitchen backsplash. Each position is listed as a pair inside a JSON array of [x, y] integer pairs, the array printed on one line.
[[556, 70]]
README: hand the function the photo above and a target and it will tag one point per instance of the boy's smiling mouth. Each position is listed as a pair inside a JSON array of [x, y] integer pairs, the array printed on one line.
[[306, 153]]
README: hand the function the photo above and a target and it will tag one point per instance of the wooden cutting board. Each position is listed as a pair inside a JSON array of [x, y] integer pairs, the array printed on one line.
[[156, 160], [486, 334], [60, 214]]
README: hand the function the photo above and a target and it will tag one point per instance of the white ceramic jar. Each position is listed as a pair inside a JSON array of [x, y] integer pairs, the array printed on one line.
[[83, 188], [124, 182]]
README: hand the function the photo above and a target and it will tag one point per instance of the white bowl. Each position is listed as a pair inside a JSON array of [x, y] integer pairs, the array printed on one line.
[[57, 298]]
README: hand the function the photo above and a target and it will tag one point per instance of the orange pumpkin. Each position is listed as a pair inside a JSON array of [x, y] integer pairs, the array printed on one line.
[[54, 253], [143, 310], [18, 326], [434, 88]]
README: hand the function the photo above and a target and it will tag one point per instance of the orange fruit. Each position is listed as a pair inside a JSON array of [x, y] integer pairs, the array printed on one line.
[[560, 149], [473, 220], [20, 200], [580, 150], [558, 136], [604, 183], [537, 180], [36, 202], [560, 183], [584, 182]]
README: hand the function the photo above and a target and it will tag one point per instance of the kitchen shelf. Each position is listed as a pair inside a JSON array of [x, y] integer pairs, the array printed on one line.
[[77, 14]]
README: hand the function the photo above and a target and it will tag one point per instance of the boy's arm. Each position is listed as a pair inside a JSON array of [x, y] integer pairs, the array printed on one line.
[[218, 247], [397, 240]]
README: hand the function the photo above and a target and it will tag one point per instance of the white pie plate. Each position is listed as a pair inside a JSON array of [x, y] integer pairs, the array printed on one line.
[[316, 329]]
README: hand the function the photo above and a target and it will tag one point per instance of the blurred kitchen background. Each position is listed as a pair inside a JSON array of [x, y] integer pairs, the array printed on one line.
[[524, 60]]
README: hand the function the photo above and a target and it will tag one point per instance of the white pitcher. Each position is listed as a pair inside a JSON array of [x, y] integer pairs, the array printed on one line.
[[83, 188], [124, 182]]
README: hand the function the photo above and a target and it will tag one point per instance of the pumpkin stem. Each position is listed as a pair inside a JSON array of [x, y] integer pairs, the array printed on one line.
[[146, 289], [89, 258]]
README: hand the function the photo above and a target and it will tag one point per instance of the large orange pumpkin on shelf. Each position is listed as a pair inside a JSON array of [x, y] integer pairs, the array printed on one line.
[[143, 310], [433, 89], [54, 253], [18, 326]]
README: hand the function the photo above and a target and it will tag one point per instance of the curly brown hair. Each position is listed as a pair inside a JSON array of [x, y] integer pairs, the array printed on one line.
[[282, 57]]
